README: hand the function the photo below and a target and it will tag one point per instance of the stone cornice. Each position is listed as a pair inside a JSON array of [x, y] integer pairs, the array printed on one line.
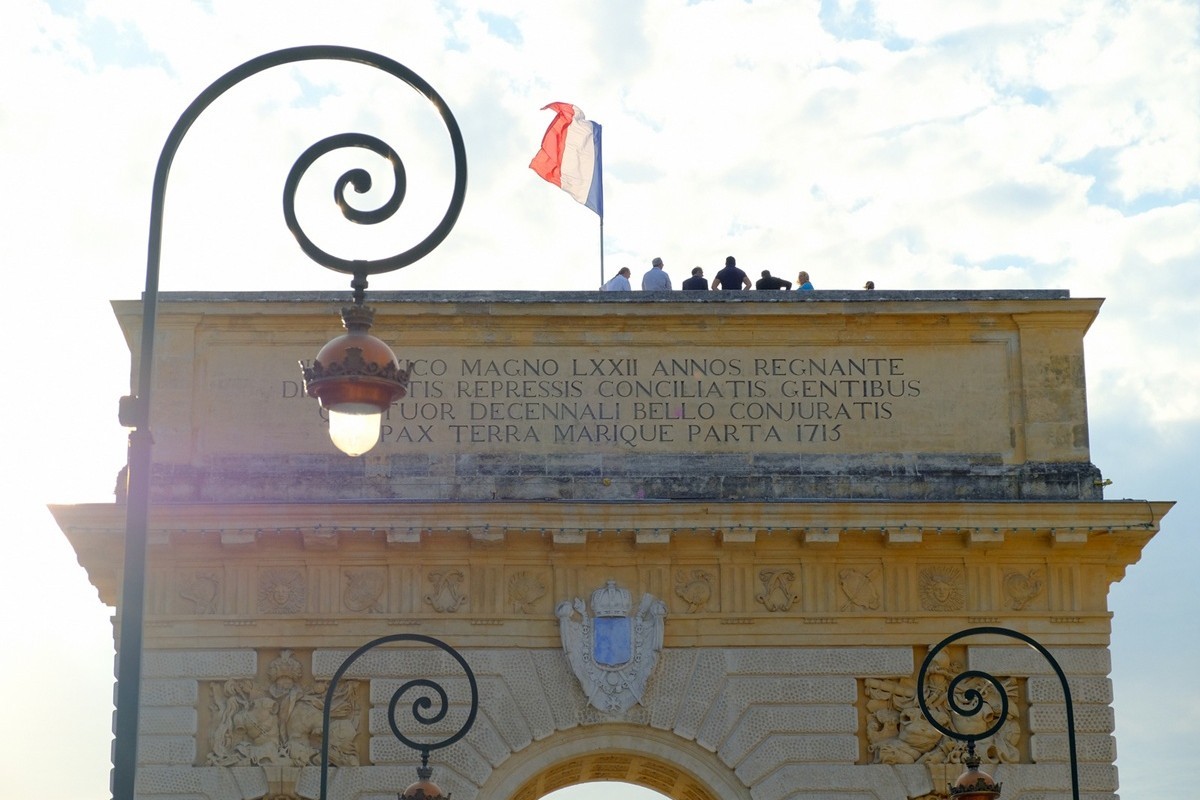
[[1108, 533]]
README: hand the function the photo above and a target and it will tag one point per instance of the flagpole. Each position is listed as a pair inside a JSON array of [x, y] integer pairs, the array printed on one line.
[[602, 251]]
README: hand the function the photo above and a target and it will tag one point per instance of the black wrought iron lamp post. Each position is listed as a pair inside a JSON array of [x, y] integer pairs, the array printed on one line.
[[355, 376], [424, 711], [975, 784]]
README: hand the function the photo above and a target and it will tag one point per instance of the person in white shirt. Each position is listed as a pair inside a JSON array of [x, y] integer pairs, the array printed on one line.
[[657, 279], [618, 282]]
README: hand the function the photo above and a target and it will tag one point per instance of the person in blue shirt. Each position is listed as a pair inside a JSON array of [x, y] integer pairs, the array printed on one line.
[[805, 285]]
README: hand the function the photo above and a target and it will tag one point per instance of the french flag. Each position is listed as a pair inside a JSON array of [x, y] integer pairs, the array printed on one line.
[[570, 156]]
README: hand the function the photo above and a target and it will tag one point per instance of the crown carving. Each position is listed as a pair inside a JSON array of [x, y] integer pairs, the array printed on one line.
[[611, 601]]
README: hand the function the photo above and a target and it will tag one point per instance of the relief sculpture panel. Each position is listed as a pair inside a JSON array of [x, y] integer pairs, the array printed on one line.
[[276, 721], [897, 732]]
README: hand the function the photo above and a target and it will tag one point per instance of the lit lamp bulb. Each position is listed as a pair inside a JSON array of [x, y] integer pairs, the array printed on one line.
[[354, 427], [356, 379]]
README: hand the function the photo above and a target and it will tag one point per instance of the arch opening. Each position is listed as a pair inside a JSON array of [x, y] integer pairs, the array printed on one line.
[[636, 762]]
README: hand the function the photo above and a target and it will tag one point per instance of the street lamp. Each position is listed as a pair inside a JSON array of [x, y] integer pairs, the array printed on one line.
[[354, 389], [423, 788], [974, 784], [356, 378]]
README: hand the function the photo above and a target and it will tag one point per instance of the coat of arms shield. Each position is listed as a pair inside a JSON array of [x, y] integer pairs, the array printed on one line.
[[612, 650]]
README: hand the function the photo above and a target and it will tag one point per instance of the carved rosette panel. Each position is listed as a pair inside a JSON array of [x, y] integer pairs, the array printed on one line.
[[276, 719], [199, 590], [447, 594], [776, 592], [942, 588], [524, 590], [363, 592], [896, 732], [282, 590], [695, 588]]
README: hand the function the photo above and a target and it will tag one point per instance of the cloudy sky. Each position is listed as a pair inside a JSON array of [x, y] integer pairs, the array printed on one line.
[[918, 143]]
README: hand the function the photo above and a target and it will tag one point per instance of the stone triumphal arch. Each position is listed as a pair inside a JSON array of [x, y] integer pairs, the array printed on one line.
[[693, 542]]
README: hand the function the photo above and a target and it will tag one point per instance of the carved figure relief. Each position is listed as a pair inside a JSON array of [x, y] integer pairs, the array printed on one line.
[[281, 591], [694, 588], [898, 733], [858, 590], [364, 590], [942, 589], [612, 650], [446, 597], [280, 723], [199, 589], [524, 589], [777, 589], [1022, 589]]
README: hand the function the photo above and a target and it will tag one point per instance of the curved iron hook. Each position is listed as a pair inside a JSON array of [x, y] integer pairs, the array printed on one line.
[[419, 707], [973, 697]]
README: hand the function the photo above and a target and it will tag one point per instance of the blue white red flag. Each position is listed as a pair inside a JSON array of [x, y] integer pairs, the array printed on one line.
[[570, 156]]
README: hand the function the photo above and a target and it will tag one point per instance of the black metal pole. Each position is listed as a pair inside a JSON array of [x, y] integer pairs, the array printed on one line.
[[135, 410]]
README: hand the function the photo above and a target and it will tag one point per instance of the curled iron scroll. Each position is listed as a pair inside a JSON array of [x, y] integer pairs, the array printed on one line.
[[358, 179], [973, 698], [425, 711]]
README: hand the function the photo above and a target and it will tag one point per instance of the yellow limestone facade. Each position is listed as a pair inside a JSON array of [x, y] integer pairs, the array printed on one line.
[[695, 541]]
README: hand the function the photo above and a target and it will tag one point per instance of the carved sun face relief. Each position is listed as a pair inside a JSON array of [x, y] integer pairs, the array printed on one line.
[[942, 589], [281, 591]]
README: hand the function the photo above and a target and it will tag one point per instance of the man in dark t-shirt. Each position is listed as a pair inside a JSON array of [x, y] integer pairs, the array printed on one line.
[[731, 277], [767, 281]]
